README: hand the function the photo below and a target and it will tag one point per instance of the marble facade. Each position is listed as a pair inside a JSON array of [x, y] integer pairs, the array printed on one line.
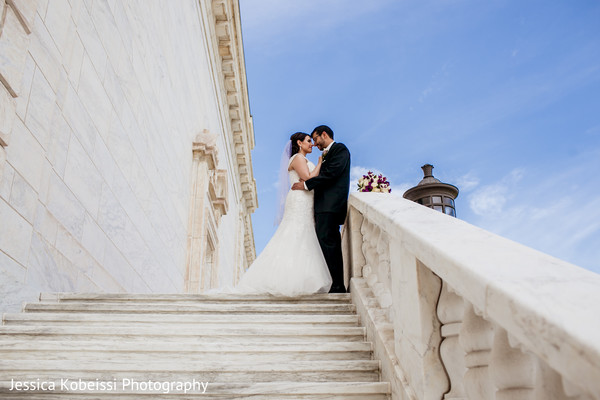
[[103, 105]]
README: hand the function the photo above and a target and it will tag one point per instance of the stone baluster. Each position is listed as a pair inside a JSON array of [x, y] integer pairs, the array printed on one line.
[[376, 271], [512, 371], [369, 249], [352, 241], [373, 256], [415, 294], [450, 311], [383, 254], [365, 232], [569, 392], [443, 347], [476, 338], [382, 288], [519, 375]]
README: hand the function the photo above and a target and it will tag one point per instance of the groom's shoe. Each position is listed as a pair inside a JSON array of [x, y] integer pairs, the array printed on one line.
[[337, 289]]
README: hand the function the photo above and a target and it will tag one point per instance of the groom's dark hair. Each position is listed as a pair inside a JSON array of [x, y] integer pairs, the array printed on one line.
[[322, 128]]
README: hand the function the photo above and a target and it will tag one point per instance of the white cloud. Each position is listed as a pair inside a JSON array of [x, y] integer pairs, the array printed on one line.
[[467, 182], [399, 189], [490, 199], [551, 212]]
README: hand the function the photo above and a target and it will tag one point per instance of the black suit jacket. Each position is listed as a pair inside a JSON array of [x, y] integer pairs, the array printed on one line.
[[332, 184]]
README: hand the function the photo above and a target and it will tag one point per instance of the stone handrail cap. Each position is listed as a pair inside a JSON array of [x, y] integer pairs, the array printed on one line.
[[550, 306]]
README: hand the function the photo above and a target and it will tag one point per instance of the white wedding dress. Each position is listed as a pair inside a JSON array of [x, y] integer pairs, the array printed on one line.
[[292, 263]]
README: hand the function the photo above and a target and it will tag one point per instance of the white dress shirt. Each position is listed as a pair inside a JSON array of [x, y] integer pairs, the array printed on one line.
[[326, 149]]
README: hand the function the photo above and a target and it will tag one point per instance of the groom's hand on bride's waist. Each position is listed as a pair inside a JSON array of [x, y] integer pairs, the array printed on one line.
[[298, 186]]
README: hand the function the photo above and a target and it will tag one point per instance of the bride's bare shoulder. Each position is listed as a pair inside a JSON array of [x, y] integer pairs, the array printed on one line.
[[296, 156]]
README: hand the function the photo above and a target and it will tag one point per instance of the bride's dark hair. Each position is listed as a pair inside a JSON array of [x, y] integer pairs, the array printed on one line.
[[294, 138]]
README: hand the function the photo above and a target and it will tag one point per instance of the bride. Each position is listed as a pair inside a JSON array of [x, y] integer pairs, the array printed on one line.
[[292, 263]]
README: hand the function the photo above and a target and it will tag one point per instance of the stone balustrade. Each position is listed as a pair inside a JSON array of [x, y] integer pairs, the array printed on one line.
[[457, 312]]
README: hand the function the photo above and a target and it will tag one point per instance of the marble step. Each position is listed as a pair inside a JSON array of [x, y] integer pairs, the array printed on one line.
[[211, 371], [297, 320], [225, 391], [233, 328], [109, 345], [194, 298], [205, 334], [158, 350], [199, 308], [245, 347]]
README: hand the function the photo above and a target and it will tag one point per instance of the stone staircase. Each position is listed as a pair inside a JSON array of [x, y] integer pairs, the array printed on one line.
[[101, 346]]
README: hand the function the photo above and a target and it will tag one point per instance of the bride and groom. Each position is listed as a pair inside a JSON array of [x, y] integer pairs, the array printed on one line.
[[304, 256]]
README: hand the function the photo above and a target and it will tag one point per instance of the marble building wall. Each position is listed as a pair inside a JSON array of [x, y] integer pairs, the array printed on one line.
[[100, 103]]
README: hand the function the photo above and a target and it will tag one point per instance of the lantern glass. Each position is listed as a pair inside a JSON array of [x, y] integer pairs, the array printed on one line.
[[448, 201]]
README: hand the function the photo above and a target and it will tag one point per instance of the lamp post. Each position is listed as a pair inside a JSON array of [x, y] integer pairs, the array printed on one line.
[[432, 193]]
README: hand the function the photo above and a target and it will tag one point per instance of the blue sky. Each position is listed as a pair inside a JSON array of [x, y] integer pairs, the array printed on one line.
[[502, 97]]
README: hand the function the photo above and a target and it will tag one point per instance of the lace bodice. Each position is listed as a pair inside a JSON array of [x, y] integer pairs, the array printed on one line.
[[293, 174]]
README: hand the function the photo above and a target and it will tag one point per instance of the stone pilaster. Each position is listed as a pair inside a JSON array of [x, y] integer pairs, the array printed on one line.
[[208, 204]]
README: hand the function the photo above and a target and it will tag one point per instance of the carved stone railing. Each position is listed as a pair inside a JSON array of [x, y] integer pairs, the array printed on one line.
[[456, 312]]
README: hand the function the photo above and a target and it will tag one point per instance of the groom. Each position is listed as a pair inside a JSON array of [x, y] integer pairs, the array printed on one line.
[[331, 188]]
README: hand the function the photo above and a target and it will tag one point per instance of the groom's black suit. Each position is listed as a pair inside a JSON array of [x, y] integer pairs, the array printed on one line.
[[331, 188]]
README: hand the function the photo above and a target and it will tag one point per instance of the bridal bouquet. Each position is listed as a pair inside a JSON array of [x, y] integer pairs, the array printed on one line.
[[374, 183]]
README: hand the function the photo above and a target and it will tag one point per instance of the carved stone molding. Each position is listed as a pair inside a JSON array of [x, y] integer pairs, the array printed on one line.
[[205, 147], [231, 71], [217, 192], [207, 205]]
